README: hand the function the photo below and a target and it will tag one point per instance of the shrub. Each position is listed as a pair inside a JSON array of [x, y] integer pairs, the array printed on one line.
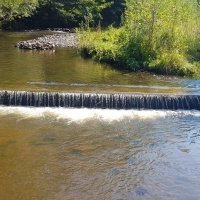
[[160, 36]]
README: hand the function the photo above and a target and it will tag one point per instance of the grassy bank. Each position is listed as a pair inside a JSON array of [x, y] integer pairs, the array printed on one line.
[[161, 37]]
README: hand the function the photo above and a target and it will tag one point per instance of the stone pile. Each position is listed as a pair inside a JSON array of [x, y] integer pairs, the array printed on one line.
[[48, 42], [35, 45]]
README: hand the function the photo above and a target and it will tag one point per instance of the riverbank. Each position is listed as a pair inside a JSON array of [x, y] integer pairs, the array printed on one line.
[[46, 42], [121, 49]]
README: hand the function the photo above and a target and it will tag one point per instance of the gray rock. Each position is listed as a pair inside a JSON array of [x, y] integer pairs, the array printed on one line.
[[48, 42]]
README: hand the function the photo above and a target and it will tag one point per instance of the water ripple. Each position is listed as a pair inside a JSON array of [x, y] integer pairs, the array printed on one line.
[[103, 85]]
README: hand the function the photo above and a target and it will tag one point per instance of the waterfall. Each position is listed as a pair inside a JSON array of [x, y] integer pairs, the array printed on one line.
[[92, 100]]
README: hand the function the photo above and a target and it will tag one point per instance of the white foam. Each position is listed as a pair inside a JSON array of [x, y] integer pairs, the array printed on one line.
[[82, 114]]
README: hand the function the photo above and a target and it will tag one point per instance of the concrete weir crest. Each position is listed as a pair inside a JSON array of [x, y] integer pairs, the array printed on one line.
[[101, 101]]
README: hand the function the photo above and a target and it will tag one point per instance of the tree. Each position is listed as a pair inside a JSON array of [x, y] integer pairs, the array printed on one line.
[[60, 13], [12, 9], [66, 13], [113, 14]]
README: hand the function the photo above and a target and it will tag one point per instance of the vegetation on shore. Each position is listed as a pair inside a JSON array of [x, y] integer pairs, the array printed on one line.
[[158, 36]]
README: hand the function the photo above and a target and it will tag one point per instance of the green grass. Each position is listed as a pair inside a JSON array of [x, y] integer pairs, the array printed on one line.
[[112, 46], [158, 37]]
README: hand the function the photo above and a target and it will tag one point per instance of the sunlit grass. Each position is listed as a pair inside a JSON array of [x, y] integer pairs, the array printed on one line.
[[159, 37]]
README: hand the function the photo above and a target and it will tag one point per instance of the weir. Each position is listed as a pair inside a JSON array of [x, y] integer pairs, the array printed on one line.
[[92, 100]]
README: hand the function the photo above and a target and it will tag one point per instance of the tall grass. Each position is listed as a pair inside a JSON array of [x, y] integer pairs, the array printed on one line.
[[159, 36]]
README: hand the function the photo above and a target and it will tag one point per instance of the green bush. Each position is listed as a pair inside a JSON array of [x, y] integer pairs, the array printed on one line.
[[160, 36]]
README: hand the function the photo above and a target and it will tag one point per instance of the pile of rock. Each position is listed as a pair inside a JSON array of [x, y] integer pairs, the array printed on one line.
[[35, 45], [48, 42]]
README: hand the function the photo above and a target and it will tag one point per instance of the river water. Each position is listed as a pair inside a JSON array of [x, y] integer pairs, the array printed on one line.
[[63, 70], [67, 153]]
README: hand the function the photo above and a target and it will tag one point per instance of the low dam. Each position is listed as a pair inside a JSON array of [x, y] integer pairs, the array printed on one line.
[[102, 101]]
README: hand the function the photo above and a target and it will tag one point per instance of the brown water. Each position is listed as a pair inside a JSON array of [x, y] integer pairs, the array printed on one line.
[[99, 154], [86, 154]]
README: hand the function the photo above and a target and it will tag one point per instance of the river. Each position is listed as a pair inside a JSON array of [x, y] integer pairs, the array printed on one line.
[[63, 70], [68, 153]]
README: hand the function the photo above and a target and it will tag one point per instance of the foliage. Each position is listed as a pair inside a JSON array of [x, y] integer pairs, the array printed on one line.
[[90, 11], [70, 13], [101, 45], [160, 36], [60, 13], [112, 15], [11, 9]]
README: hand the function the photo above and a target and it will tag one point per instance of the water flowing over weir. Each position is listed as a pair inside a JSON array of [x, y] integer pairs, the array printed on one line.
[[91, 100]]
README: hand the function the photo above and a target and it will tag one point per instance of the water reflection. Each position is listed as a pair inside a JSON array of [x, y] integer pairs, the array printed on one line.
[[98, 154], [49, 52], [19, 68], [192, 85]]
